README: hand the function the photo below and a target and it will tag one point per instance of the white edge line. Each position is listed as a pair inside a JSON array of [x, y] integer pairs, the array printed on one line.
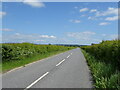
[[36, 81], [60, 62]]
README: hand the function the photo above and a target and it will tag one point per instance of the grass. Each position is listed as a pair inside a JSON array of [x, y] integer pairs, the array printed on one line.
[[6, 66], [104, 75]]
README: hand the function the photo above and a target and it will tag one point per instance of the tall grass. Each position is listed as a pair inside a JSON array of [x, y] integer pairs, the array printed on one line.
[[104, 62], [104, 75]]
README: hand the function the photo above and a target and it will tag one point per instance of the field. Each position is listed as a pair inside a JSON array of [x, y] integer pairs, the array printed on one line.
[[104, 61], [19, 54]]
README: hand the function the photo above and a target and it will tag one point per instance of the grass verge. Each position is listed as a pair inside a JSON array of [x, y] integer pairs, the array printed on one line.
[[6, 66], [104, 75]]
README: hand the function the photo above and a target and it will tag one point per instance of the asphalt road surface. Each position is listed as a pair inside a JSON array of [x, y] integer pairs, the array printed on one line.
[[65, 70]]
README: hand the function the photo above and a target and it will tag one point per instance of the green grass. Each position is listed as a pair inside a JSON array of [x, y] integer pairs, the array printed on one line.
[[104, 75], [6, 66]]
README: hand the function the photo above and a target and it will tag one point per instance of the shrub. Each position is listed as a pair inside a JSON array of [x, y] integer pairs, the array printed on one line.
[[104, 61], [18, 51]]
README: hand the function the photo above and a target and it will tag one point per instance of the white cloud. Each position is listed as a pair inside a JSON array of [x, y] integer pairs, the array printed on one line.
[[2, 14], [81, 35], [75, 21], [109, 11], [93, 10], [104, 23], [86, 37], [110, 36], [17, 34], [112, 14], [84, 9], [89, 33], [32, 38], [34, 3], [6, 29], [92, 18], [114, 36], [112, 18], [52, 37], [47, 36], [39, 40], [44, 36]]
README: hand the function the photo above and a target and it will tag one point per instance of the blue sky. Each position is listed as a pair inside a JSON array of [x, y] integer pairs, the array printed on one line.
[[59, 23]]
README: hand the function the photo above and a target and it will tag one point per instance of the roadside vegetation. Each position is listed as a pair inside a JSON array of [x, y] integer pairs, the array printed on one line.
[[18, 54], [104, 62]]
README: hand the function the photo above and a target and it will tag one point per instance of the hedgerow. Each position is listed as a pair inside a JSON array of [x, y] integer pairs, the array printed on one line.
[[106, 51], [18, 51], [104, 61]]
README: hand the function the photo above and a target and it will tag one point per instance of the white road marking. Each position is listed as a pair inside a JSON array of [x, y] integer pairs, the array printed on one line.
[[68, 56], [60, 62], [71, 53], [36, 81]]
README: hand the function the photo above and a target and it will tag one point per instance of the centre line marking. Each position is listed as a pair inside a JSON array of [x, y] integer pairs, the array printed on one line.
[[68, 56], [36, 81], [60, 62]]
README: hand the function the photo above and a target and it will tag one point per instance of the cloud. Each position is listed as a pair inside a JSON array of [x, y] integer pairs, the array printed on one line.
[[75, 21], [114, 36], [93, 10], [34, 3], [52, 37], [86, 37], [92, 18], [110, 36], [17, 34], [81, 35], [2, 14], [109, 11], [112, 18], [89, 33], [39, 40], [84, 9], [111, 14], [47, 36], [32, 38], [89, 18], [6, 29], [104, 23]]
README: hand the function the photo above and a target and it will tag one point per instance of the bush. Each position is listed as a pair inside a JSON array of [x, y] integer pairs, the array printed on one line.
[[18, 51], [104, 61], [106, 51]]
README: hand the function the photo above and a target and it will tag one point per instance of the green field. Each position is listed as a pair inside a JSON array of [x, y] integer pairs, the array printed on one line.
[[18, 54], [104, 61]]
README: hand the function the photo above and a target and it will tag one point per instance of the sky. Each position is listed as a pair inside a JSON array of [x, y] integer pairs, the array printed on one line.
[[59, 22]]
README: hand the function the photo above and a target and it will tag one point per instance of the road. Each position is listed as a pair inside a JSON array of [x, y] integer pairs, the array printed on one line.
[[65, 70]]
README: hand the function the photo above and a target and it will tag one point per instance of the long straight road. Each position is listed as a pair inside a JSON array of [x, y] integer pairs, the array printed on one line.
[[65, 70]]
